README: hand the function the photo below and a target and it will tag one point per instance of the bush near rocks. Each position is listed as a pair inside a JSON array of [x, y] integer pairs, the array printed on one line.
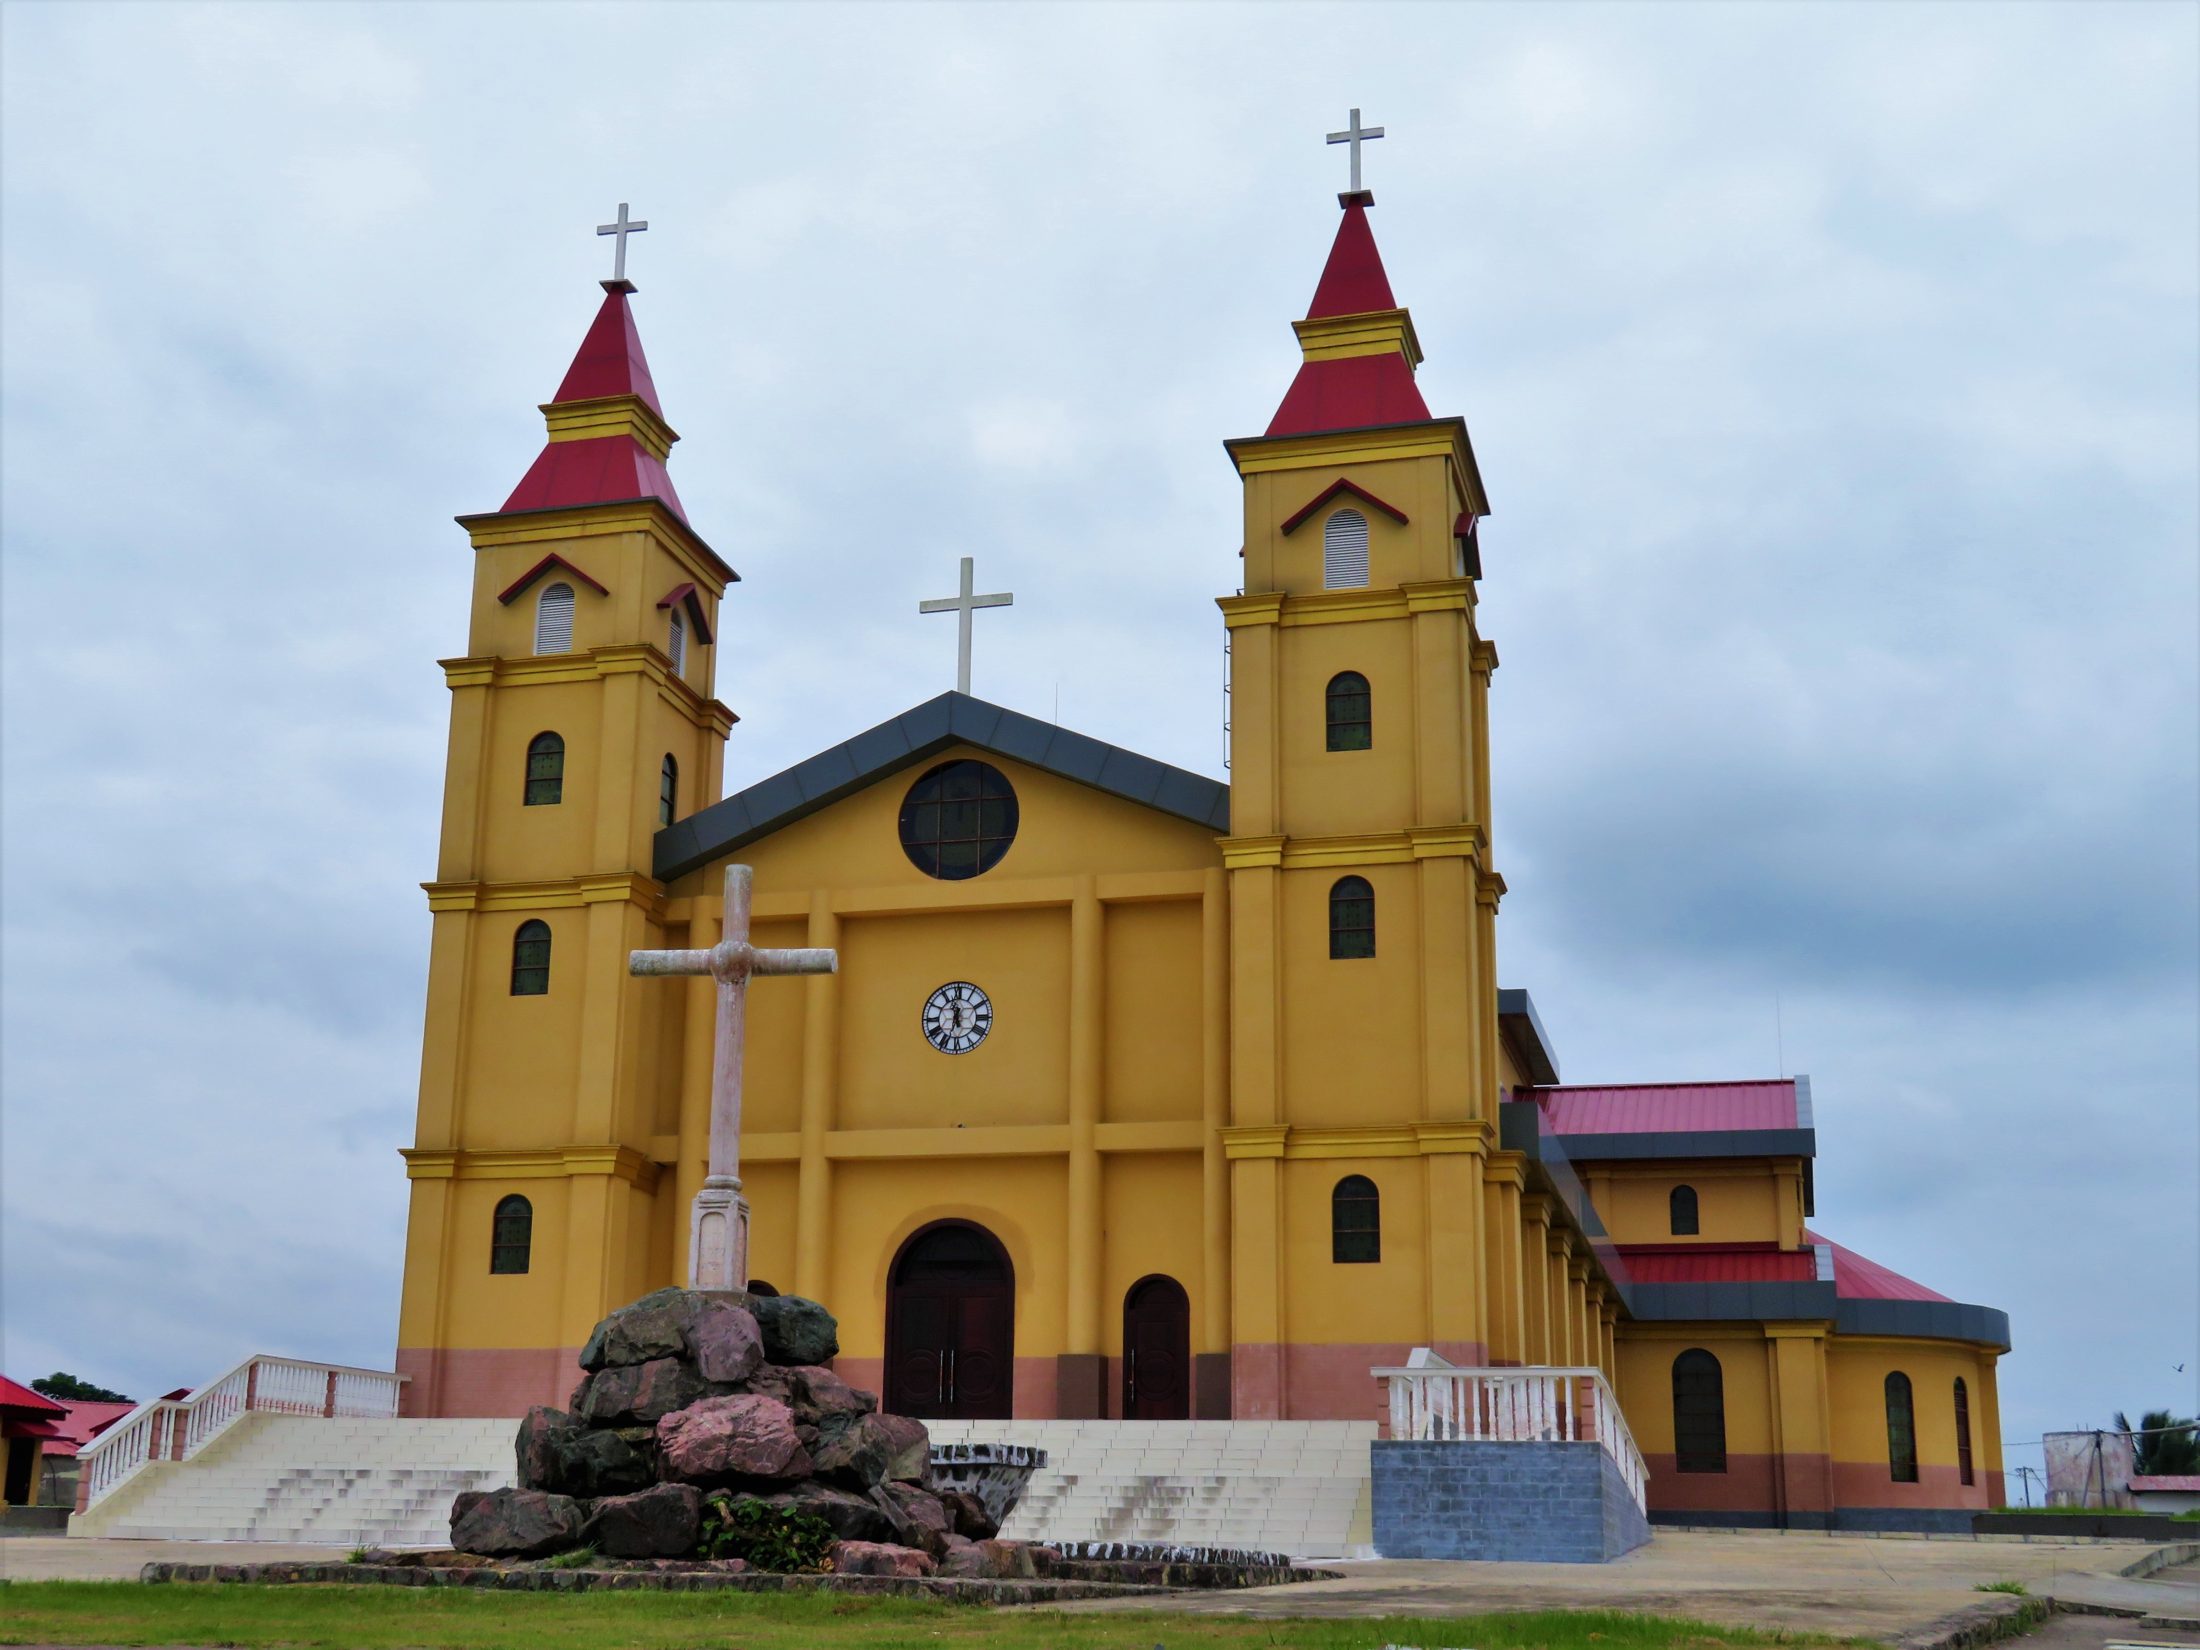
[[708, 1425]]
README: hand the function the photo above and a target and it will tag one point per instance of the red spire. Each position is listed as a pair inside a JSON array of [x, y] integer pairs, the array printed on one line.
[[627, 460], [1353, 282], [610, 361]]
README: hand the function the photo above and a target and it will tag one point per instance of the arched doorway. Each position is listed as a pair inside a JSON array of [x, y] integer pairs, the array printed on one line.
[[1157, 1351], [951, 1326]]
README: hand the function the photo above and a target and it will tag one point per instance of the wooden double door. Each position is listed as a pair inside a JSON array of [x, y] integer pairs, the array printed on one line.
[[951, 1326]]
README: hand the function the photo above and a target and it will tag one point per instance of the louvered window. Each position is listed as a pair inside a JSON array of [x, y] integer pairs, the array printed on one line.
[[1699, 1413], [1355, 1222], [1344, 550], [545, 770], [678, 647], [1963, 1431], [1901, 1430], [1682, 1206], [668, 791], [1351, 718], [531, 960], [512, 1235], [554, 620], [1351, 918]]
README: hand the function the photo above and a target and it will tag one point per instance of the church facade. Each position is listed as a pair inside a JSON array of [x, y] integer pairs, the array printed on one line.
[[1135, 1095]]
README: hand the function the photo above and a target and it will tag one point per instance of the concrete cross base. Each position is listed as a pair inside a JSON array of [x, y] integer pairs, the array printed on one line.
[[718, 1236]]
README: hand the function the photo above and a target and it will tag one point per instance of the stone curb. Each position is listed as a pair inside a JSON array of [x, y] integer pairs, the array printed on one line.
[[1986, 1622], [959, 1589]]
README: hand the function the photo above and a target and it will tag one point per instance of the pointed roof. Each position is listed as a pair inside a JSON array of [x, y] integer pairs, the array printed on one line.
[[914, 736], [610, 359], [608, 436], [1358, 343], [1353, 281]]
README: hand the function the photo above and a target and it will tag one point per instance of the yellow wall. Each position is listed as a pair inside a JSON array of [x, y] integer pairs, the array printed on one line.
[[1737, 1201]]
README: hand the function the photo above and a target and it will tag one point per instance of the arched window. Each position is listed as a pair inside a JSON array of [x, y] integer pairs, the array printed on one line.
[[554, 620], [1344, 550], [1351, 718], [511, 1235], [1351, 918], [1699, 1413], [1901, 1430], [677, 646], [1355, 1222], [1683, 1206], [531, 960], [545, 770], [668, 790], [1963, 1431]]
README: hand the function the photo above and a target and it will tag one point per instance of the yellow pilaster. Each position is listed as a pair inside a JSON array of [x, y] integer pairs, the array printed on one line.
[[1214, 1108], [1087, 979], [820, 1071]]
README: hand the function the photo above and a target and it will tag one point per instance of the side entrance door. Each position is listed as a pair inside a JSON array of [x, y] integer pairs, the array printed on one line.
[[1157, 1351], [951, 1326]]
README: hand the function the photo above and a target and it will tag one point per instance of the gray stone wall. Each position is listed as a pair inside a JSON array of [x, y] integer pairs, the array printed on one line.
[[1539, 1502]]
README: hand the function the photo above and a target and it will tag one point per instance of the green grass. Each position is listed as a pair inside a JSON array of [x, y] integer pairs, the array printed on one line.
[[2016, 1587], [405, 1618], [2097, 1512]]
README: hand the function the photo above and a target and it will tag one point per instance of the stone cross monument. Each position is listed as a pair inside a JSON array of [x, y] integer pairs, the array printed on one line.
[[718, 1231]]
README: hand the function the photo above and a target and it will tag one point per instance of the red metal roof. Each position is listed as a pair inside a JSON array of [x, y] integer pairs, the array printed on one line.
[[1667, 1108], [1356, 392], [1353, 281], [608, 469], [1858, 1279], [86, 1420], [22, 1397], [2173, 1483], [610, 361], [1718, 1263]]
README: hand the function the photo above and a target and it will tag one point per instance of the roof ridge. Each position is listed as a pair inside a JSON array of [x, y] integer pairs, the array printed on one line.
[[1675, 1083]]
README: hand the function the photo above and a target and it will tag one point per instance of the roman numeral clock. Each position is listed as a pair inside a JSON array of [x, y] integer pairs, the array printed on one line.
[[957, 1017]]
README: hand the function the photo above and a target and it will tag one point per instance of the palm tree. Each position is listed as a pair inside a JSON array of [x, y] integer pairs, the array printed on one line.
[[2162, 1446]]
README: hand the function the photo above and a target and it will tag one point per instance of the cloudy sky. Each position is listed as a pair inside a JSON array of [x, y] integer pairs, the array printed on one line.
[[1833, 371]]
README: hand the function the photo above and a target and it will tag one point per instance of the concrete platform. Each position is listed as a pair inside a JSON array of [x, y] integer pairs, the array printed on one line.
[[1880, 1587]]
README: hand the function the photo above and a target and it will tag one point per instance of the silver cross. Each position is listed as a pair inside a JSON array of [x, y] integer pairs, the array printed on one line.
[[625, 227], [1355, 134], [964, 604]]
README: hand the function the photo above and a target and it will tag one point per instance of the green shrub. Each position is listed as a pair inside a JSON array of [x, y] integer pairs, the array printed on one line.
[[2016, 1587], [577, 1558], [770, 1538]]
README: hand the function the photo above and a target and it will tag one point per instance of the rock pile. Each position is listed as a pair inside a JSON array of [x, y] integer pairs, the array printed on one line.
[[694, 1398]]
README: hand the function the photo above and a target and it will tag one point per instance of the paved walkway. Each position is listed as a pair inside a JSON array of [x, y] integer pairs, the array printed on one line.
[[1876, 1587], [67, 1558]]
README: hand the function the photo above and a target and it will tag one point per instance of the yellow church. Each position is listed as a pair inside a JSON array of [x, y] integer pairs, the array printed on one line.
[[1136, 1094]]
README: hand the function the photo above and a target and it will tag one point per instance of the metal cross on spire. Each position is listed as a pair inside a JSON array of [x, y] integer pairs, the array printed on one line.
[[1356, 134], [965, 604], [626, 226], [718, 1229]]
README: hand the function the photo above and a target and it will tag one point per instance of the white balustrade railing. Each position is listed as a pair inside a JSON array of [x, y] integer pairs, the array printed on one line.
[[1433, 1400], [175, 1429]]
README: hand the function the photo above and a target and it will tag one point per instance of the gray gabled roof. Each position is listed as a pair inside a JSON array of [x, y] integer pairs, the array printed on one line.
[[912, 737]]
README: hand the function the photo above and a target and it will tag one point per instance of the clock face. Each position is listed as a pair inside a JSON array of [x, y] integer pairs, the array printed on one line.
[[957, 1017]]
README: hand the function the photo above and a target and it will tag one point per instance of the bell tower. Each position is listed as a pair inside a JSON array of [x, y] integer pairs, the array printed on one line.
[[1364, 1062], [582, 721]]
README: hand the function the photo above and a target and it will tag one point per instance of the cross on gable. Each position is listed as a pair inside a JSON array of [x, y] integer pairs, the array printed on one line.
[[964, 605]]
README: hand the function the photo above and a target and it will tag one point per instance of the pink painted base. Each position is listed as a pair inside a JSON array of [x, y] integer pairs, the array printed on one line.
[[486, 1380], [1301, 1381]]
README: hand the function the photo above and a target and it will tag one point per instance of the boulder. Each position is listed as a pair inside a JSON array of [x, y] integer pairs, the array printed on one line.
[[653, 1327], [597, 1463], [746, 1435], [862, 1450], [543, 1435], [796, 1331], [660, 1522], [993, 1560], [724, 1341], [852, 1517], [514, 1523], [877, 1558], [968, 1515], [641, 1393], [918, 1518], [813, 1392]]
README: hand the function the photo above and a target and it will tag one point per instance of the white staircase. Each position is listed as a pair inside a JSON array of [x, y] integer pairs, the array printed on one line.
[[1297, 1487], [344, 1481]]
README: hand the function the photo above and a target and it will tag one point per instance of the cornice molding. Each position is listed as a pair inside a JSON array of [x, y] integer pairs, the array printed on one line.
[[555, 894]]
